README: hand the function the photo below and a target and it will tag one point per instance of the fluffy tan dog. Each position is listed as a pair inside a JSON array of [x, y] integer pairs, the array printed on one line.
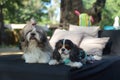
[[35, 44]]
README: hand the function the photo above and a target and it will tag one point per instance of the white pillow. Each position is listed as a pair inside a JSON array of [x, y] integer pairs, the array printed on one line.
[[94, 45], [92, 30], [74, 36]]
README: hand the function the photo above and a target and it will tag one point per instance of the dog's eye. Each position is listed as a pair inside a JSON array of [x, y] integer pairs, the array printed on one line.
[[28, 32], [67, 47], [60, 46], [38, 31]]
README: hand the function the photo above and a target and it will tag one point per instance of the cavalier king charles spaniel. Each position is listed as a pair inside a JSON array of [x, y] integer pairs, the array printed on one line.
[[68, 53], [35, 44]]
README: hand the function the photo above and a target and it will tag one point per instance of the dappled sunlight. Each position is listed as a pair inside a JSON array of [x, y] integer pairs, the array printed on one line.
[[10, 51]]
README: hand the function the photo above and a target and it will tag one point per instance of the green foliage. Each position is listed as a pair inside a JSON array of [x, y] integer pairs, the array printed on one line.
[[20, 11], [10, 8], [111, 9], [88, 3]]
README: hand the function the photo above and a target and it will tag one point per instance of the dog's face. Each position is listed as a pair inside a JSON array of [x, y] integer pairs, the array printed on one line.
[[64, 47], [33, 33]]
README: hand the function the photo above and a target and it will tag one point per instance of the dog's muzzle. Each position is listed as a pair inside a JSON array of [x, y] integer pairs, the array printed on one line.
[[63, 51], [32, 36]]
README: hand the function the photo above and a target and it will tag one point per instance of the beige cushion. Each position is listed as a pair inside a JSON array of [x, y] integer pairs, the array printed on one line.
[[74, 36], [94, 45], [92, 31]]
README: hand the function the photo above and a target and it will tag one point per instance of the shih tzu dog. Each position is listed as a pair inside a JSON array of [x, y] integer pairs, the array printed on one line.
[[35, 44], [68, 53]]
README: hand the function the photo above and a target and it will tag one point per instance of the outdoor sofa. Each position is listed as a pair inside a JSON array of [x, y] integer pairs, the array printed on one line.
[[13, 67]]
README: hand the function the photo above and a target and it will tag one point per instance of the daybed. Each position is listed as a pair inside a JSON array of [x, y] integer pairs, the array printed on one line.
[[12, 67]]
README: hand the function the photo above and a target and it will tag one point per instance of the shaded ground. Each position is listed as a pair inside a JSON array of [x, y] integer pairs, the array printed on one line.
[[9, 51]]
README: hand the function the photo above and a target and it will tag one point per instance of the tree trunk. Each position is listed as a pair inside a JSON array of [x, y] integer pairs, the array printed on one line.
[[69, 6], [1, 25]]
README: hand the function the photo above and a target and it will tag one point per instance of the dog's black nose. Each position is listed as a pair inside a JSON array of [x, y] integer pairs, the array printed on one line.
[[32, 34], [63, 49]]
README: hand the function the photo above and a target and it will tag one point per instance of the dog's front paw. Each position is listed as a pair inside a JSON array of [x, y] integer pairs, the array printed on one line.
[[76, 64], [53, 62]]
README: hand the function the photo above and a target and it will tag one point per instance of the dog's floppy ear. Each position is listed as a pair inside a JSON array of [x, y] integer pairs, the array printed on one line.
[[44, 37], [24, 31], [23, 42], [74, 54], [56, 55]]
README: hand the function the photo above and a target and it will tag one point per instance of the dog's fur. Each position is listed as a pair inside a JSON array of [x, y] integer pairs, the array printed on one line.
[[35, 44], [66, 49]]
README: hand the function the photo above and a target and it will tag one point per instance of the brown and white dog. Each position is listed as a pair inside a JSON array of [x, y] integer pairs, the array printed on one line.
[[68, 53], [35, 44]]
